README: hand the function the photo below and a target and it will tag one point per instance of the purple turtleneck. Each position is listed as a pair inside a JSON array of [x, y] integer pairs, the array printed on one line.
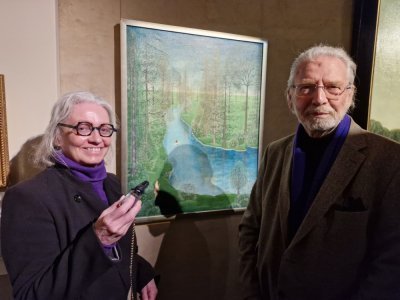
[[95, 175]]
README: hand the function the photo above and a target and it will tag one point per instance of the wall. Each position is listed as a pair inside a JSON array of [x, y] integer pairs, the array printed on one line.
[[195, 255], [28, 59], [29, 62]]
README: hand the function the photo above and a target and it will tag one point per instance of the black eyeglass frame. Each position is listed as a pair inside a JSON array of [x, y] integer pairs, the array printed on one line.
[[90, 126], [324, 88]]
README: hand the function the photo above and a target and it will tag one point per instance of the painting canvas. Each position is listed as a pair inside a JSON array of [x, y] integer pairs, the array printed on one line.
[[191, 115], [384, 116]]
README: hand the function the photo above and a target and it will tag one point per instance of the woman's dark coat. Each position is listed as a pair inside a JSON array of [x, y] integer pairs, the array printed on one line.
[[49, 246]]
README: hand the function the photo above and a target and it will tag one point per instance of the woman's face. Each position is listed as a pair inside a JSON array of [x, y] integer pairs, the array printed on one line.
[[86, 150]]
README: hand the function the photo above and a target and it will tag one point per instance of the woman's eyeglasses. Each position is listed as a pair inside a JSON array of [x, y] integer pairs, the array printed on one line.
[[86, 129]]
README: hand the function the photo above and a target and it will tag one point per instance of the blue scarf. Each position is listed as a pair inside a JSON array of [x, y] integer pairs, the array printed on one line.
[[312, 160]]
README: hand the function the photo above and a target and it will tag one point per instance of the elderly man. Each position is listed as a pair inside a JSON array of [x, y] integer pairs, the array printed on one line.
[[323, 220]]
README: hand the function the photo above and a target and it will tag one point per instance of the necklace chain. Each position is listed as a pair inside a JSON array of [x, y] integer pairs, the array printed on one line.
[[132, 263]]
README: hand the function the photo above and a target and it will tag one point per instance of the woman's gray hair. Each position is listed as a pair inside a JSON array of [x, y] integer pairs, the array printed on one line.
[[46, 151], [323, 50]]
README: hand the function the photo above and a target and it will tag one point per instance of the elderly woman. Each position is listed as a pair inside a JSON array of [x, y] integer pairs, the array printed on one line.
[[66, 233]]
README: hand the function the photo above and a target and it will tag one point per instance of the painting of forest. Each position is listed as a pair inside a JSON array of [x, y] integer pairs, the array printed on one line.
[[192, 103]]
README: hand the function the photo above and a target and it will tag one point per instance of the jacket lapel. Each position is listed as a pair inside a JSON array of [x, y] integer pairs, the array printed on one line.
[[284, 190], [342, 171]]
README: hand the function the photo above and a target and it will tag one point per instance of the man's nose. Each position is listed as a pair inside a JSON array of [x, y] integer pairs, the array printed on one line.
[[319, 95]]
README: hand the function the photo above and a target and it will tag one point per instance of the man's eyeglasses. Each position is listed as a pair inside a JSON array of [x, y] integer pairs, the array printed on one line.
[[86, 129], [331, 91]]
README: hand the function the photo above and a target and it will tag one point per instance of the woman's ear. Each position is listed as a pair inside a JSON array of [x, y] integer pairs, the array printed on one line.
[[57, 141]]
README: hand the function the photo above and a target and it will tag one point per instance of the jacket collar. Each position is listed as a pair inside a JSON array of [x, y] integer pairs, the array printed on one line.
[[348, 161]]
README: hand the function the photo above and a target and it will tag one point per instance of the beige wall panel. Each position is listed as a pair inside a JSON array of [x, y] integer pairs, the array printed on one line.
[[86, 38], [28, 60], [86, 34]]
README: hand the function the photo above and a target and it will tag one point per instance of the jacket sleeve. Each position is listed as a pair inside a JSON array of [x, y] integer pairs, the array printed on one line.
[[145, 272], [380, 280], [249, 230]]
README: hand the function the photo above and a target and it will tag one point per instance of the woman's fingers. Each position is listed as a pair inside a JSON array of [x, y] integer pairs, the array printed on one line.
[[128, 206], [115, 221]]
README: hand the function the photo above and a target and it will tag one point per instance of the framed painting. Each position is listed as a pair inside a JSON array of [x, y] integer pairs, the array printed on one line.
[[4, 164], [191, 115], [376, 52]]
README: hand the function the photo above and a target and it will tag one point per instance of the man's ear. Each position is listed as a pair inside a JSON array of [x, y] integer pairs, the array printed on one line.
[[289, 100]]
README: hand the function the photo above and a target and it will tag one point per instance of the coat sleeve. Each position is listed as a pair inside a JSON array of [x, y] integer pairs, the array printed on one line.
[[380, 280], [38, 266], [145, 272], [249, 230]]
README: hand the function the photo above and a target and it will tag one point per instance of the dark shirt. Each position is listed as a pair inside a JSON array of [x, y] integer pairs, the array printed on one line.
[[313, 150]]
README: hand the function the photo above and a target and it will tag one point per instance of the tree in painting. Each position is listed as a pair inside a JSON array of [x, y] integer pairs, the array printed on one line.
[[202, 91]]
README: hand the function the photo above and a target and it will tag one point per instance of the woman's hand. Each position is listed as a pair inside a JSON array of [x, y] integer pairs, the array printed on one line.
[[115, 221], [149, 292]]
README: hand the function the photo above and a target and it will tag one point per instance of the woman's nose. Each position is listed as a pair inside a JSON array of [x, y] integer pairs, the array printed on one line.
[[95, 136]]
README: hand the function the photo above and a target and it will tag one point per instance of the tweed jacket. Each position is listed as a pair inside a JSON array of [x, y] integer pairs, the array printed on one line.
[[49, 246], [348, 245]]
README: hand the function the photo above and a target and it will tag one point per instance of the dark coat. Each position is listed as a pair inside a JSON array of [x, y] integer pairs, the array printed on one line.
[[348, 246], [49, 246]]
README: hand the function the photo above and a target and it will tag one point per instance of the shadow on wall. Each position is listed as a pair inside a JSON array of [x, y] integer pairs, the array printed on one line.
[[21, 165], [198, 256]]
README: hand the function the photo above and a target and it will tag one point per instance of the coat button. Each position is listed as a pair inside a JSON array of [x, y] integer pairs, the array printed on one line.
[[78, 198]]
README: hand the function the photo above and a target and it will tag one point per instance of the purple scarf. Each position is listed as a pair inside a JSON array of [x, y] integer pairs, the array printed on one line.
[[312, 160], [95, 175]]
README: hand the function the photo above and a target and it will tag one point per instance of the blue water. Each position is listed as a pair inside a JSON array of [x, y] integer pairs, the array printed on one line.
[[202, 169]]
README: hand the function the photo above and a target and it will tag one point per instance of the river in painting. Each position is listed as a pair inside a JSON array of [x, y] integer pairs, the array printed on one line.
[[203, 169]]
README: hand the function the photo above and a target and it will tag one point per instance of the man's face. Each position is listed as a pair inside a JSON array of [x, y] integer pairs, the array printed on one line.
[[318, 111]]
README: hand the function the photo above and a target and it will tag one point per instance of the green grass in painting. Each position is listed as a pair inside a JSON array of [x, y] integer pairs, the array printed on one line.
[[378, 128]]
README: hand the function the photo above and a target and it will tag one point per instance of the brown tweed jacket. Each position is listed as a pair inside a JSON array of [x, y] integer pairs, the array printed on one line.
[[348, 246]]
